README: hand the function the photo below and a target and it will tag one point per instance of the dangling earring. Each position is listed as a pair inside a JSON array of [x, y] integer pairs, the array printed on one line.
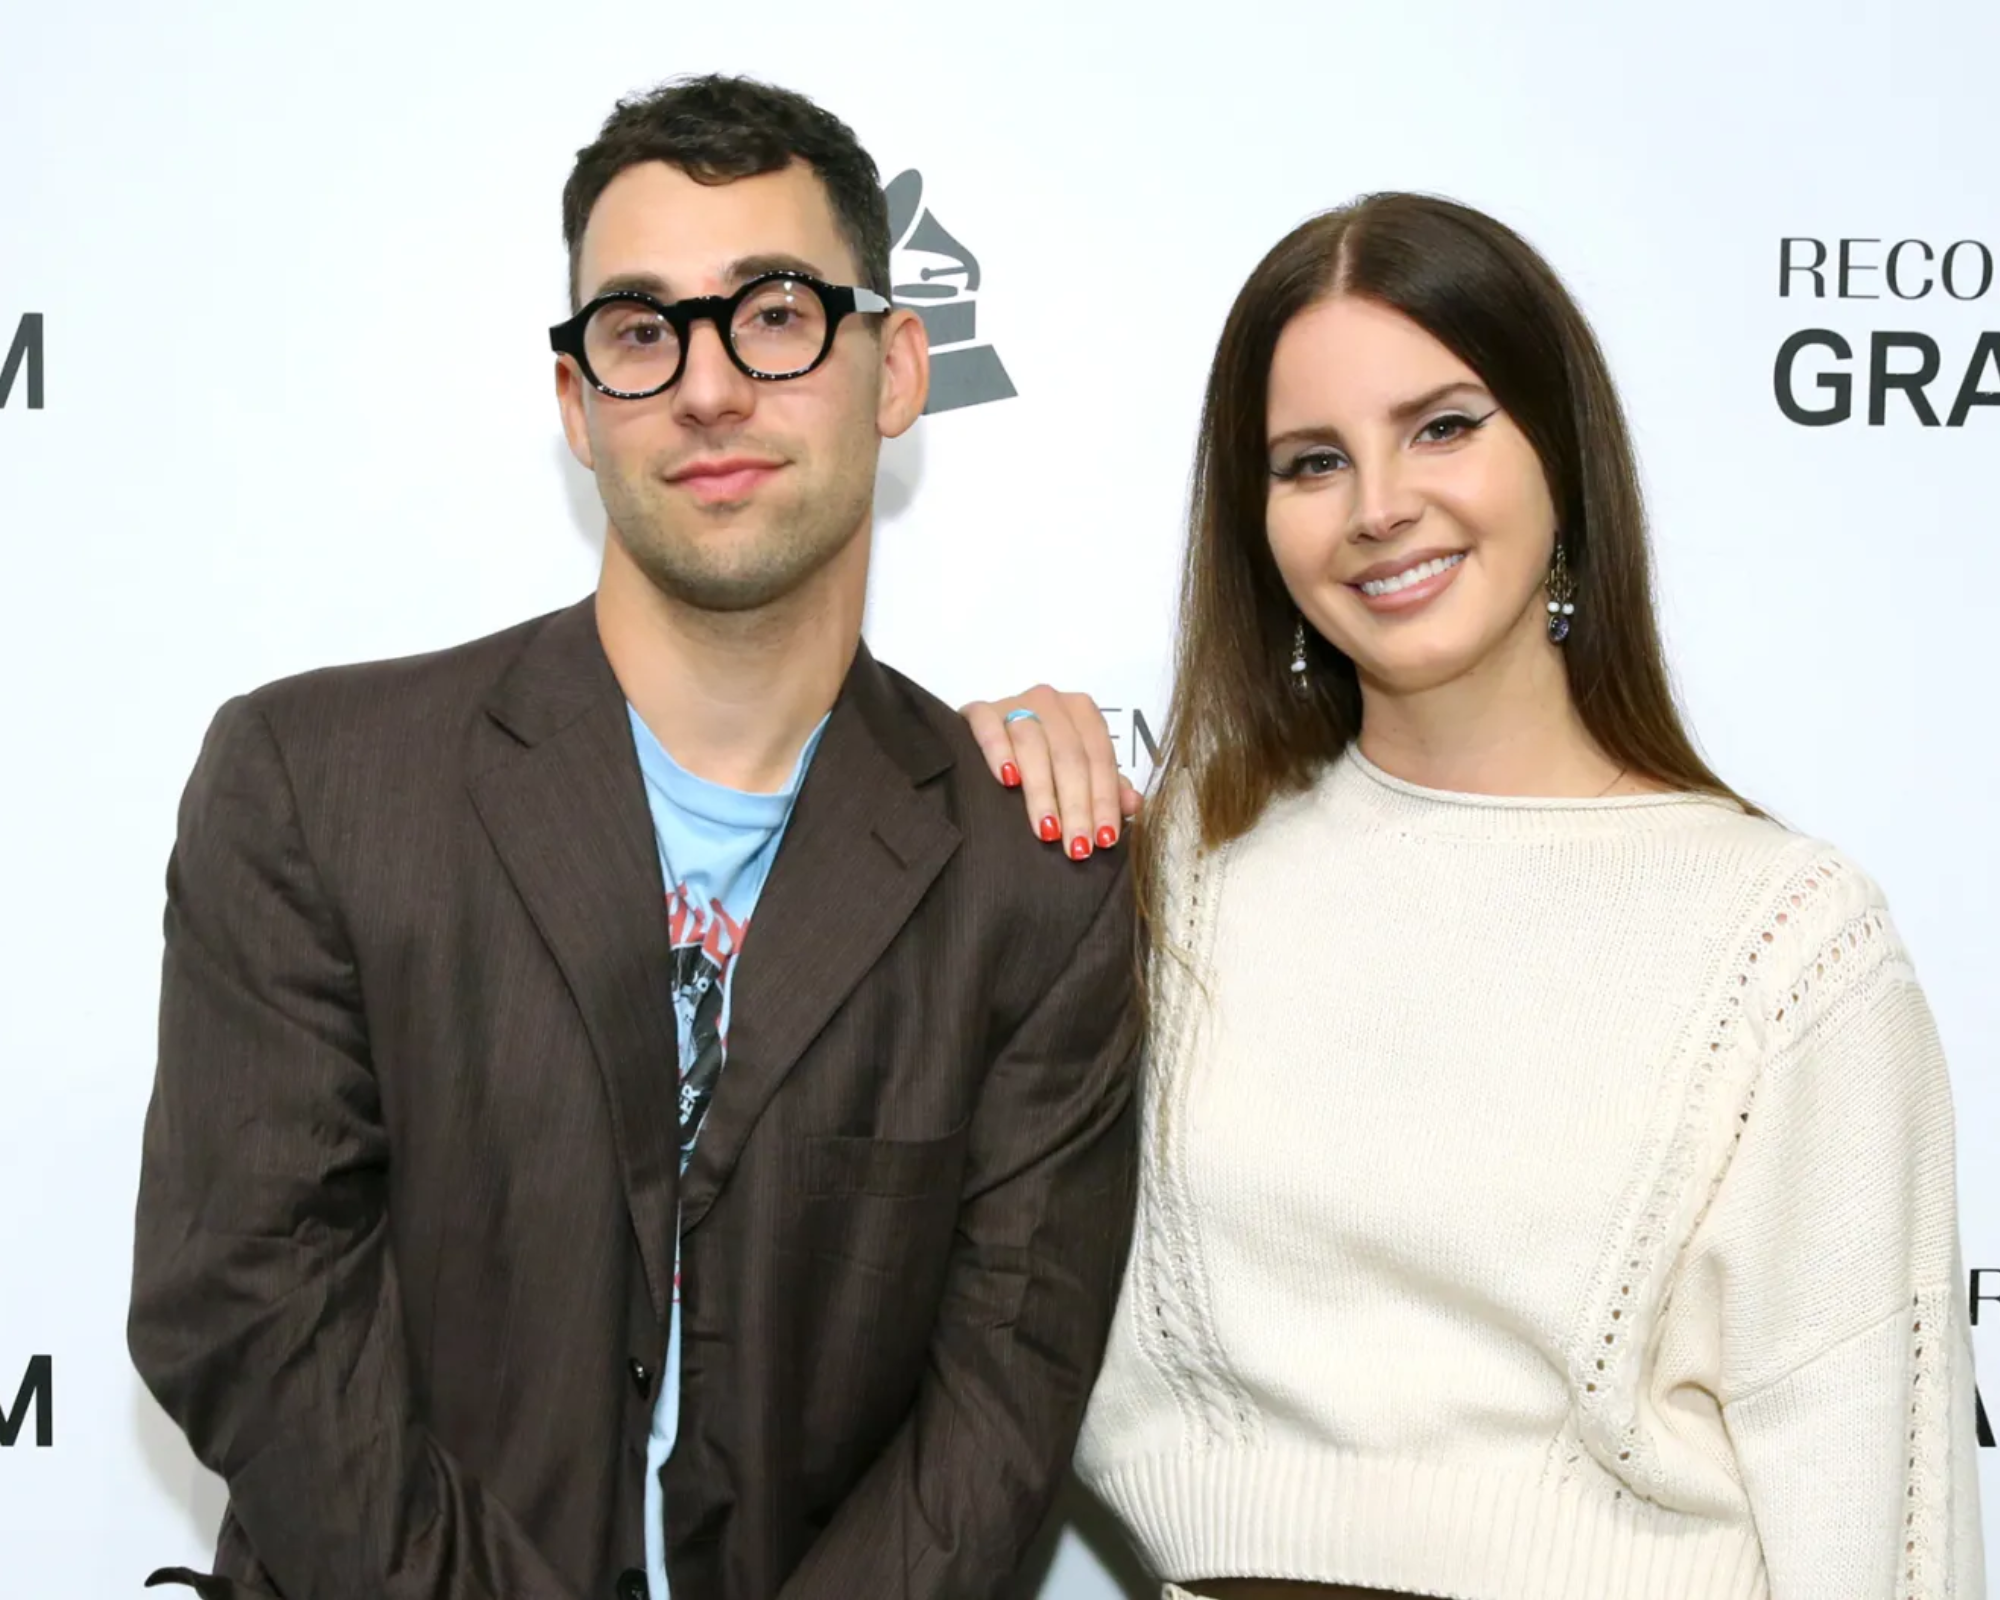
[[1299, 685], [1562, 596]]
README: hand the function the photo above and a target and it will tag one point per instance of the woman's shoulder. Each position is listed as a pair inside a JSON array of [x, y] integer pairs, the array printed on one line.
[[1812, 921], [1787, 876], [1804, 878]]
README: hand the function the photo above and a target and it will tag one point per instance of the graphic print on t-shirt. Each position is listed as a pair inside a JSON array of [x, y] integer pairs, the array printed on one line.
[[705, 943]]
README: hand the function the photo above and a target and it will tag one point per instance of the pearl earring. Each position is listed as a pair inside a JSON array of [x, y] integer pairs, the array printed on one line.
[[1562, 596]]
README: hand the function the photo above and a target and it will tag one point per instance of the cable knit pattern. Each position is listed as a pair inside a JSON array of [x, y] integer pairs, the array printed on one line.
[[1167, 1266], [1540, 1200]]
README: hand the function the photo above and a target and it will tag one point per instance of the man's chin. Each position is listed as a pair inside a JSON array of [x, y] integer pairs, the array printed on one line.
[[724, 587], [727, 557], [710, 512], [727, 598]]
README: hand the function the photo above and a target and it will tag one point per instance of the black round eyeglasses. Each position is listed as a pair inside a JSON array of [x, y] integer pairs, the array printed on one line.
[[631, 344]]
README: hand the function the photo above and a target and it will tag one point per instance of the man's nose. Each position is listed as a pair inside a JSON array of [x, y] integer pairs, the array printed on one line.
[[711, 384]]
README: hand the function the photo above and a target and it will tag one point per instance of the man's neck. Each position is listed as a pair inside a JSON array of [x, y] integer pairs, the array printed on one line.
[[1509, 727], [732, 697]]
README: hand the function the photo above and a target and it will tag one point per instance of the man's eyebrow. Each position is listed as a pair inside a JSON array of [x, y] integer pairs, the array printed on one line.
[[737, 273], [1403, 411], [747, 267], [634, 282]]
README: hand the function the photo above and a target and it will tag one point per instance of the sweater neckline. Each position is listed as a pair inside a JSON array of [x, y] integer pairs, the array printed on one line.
[[1520, 805]]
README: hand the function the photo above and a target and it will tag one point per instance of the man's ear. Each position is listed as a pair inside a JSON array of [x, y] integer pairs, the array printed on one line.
[[906, 373], [570, 398]]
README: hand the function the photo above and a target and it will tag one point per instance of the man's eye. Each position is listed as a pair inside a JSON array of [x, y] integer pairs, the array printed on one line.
[[642, 331]]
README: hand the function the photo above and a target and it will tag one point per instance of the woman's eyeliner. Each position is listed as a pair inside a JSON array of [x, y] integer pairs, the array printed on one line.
[[1460, 424]]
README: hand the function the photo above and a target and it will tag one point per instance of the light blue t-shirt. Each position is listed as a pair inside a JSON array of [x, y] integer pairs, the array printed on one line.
[[716, 849]]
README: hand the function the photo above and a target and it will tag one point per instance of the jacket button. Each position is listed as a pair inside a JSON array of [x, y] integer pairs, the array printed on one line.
[[642, 1375], [632, 1585]]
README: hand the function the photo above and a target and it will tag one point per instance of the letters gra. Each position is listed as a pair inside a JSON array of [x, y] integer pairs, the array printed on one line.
[[1897, 362]]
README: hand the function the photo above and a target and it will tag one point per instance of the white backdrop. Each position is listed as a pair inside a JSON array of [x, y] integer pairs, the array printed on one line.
[[244, 225]]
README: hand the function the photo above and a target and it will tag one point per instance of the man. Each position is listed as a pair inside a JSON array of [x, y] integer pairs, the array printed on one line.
[[420, 1176]]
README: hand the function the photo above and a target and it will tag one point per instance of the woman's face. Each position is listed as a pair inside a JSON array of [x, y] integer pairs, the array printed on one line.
[[1409, 516]]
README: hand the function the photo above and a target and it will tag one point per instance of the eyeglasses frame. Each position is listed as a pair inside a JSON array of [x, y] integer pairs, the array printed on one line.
[[840, 300]]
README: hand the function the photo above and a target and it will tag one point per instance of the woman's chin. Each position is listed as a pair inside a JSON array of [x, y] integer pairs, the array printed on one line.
[[1418, 667]]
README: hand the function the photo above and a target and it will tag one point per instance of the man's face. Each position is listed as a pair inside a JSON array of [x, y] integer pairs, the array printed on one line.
[[729, 492]]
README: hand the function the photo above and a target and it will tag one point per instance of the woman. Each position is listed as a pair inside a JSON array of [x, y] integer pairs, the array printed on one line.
[[1548, 1170]]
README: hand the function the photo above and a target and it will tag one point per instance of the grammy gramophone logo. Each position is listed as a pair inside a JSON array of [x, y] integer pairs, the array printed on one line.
[[938, 278]]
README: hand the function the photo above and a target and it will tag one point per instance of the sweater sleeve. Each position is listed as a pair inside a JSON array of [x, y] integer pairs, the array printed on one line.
[[1828, 1270]]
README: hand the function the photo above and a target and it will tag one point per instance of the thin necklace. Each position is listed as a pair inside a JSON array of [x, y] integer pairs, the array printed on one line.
[[1601, 793]]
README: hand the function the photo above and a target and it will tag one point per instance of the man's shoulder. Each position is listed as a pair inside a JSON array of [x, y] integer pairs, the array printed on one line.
[[394, 689], [371, 728], [357, 752], [996, 840]]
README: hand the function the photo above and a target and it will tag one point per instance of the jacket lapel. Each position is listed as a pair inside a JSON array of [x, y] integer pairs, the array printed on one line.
[[864, 844], [565, 806]]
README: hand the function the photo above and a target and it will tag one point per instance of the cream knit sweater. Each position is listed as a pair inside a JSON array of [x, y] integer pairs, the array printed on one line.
[[1540, 1200]]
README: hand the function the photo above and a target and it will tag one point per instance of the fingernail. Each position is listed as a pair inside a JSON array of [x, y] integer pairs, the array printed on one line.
[[1010, 774], [1107, 836], [1051, 830], [1079, 847]]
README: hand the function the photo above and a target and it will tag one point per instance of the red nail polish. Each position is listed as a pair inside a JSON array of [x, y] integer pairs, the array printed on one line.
[[1107, 836], [1010, 775], [1079, 847], [1051, 830]]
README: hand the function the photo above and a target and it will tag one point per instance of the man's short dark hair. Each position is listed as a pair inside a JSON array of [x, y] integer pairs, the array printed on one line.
[[718, 129]]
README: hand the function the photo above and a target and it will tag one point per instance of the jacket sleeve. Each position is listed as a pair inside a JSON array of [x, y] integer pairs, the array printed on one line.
[[266, 1316], [1830, 1264], [952, 1505]]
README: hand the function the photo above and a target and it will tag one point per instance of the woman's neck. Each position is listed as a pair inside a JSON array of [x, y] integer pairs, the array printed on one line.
[[1509, 727]]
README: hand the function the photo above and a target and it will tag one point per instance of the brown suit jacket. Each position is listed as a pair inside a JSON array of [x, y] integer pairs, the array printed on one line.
[[405, 1222]]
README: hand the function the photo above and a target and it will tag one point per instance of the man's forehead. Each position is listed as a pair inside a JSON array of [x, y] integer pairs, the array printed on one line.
[[688, 237]]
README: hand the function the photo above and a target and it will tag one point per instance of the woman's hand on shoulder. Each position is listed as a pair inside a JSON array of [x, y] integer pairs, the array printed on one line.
[[1056, 749]]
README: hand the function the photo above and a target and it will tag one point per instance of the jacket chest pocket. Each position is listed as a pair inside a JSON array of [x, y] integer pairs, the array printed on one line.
[[837, 1167], [877, 1211]]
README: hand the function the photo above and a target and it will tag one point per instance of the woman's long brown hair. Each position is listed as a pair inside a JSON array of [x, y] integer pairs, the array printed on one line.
[[1237, 733]]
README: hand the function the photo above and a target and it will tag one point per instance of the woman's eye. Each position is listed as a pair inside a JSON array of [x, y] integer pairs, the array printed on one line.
[[1443, 428], [1312, 464]]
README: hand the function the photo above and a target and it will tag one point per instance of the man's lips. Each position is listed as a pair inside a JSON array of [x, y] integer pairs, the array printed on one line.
[[724, 478]]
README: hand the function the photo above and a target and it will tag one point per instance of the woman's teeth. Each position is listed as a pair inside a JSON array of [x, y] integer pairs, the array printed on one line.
[[1416, 574]]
